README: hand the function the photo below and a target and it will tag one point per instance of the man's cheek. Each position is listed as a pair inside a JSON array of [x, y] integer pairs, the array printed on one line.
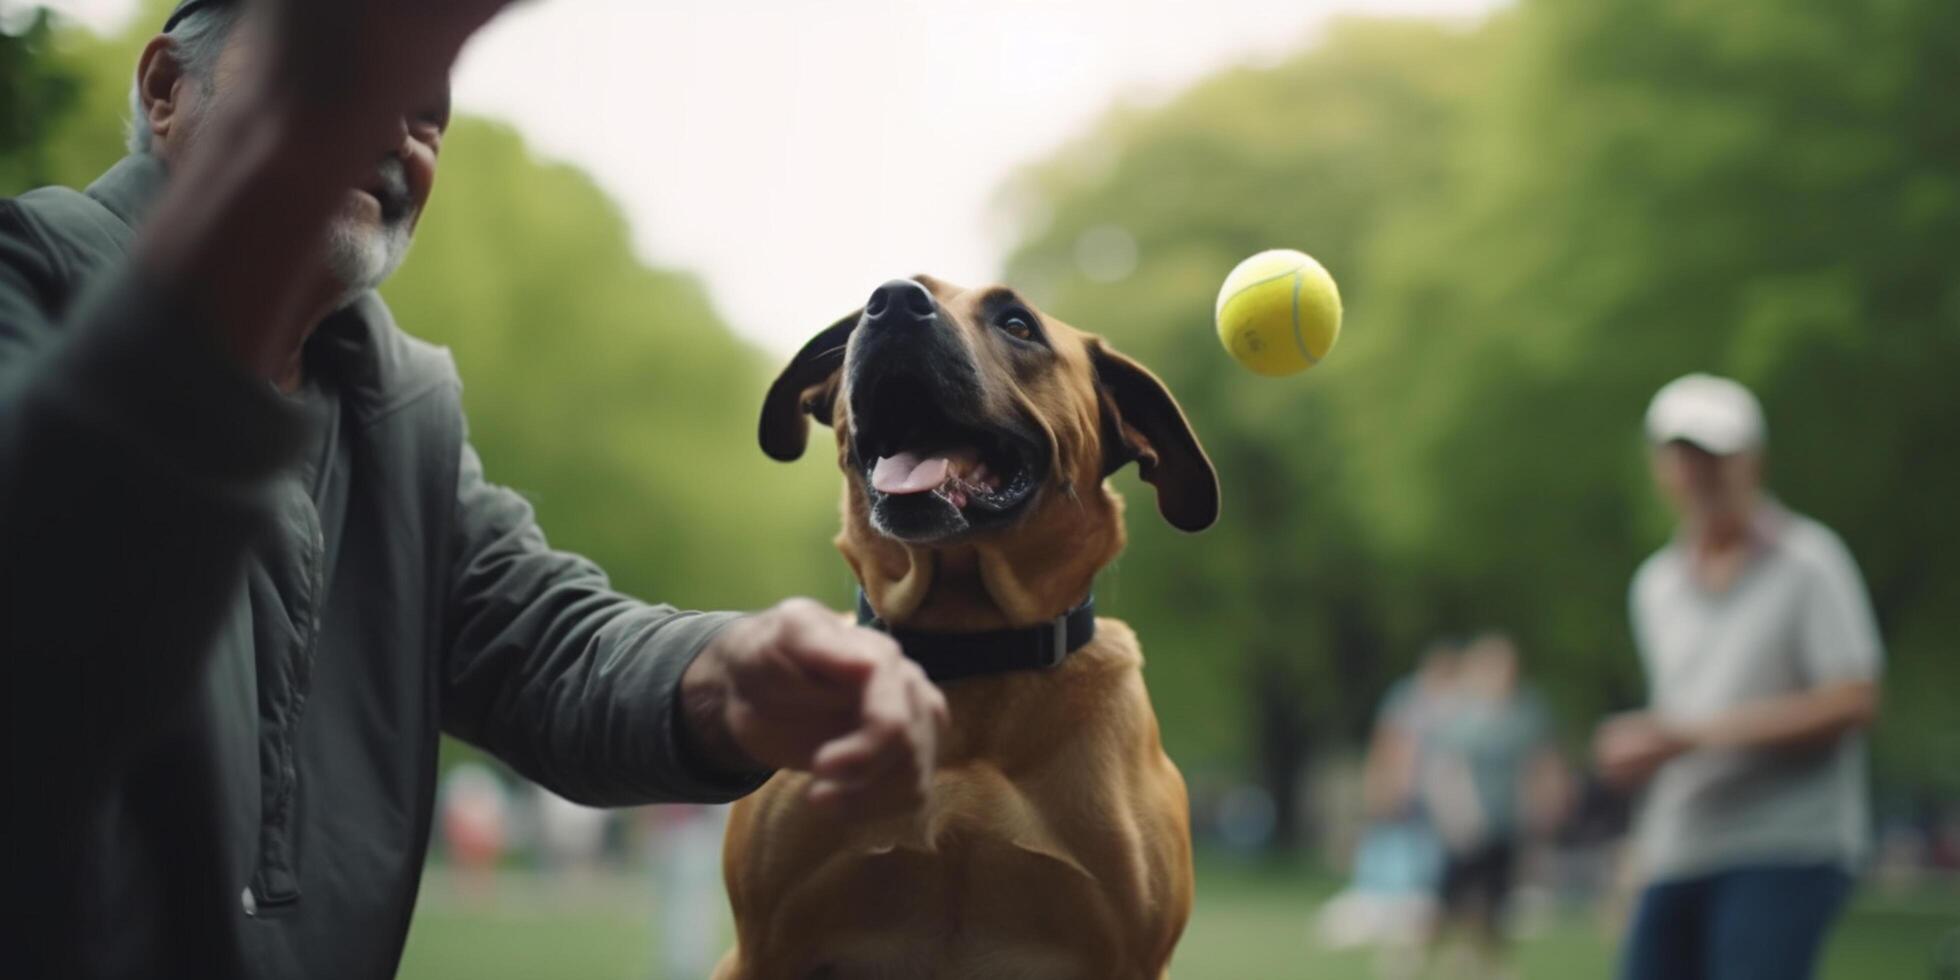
[[421, 172]]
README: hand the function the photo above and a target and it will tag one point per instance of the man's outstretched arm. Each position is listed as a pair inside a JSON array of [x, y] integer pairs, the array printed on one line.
[[608, 700]]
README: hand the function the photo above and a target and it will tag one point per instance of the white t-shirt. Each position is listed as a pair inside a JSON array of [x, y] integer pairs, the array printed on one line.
[[1795, 618]]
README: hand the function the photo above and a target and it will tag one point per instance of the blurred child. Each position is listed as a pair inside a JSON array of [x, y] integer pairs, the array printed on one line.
[[1398, 859], [1490, 776]]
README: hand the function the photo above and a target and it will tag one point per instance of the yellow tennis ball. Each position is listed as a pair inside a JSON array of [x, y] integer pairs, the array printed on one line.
[[1279, 312]]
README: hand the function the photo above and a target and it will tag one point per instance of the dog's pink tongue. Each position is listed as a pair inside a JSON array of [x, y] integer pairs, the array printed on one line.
[[909, 473]]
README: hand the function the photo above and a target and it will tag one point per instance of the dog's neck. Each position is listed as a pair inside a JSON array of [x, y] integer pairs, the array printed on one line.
[[1032, 574]]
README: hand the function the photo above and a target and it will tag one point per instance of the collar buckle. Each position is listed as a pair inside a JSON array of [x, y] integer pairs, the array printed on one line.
[[1057, 650]]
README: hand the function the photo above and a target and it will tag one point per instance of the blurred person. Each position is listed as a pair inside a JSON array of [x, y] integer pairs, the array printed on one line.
[[1490, 778], [1409, 709], [1398, 858], [1588, 851], [253, 568], [690, 912], [1762, 658], [474, 814], [570, 836]]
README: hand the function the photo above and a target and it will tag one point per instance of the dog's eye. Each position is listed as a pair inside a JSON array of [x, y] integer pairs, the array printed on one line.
[[1018, 325]]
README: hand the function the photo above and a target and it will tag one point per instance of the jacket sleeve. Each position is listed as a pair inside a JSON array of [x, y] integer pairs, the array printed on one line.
[[574, 685], [133, 460]]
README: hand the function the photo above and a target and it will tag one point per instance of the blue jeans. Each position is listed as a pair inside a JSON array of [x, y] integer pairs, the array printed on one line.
[[1752, 923]]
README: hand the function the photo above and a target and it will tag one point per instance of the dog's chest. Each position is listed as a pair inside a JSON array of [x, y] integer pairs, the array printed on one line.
[[909, 958], [979, 908], [1035, 855]]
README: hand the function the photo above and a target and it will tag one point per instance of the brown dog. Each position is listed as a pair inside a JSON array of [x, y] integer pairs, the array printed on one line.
[[975, 434]]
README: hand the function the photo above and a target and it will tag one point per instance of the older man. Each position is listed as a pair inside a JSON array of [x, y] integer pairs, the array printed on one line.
[[251, 567], [1763, 659]]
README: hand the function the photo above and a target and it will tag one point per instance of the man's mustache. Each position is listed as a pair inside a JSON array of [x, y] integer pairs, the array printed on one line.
[[391, 189]]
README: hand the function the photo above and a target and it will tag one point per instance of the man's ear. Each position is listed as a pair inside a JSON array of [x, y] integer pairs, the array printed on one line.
[[1142, 422], [159, 87], [808, 386]]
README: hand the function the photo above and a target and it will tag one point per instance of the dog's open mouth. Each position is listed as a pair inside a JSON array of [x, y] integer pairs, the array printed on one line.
[[932, 476]]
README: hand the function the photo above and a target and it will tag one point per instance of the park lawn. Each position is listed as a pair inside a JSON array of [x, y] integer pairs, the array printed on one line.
[[1249, 925]]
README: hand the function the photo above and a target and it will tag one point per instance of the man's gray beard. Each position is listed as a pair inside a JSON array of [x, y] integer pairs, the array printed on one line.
[[361, 256]]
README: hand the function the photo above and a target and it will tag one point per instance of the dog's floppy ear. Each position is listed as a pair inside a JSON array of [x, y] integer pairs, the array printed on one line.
[[1142, 422], [808, 386]]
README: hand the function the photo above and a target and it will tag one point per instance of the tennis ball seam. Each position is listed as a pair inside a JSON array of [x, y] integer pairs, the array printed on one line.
[[1299, 279], [1275, 277]]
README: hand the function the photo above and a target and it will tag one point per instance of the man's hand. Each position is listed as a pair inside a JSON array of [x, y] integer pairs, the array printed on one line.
[[1629, 748], [367, 54], [797, 688]]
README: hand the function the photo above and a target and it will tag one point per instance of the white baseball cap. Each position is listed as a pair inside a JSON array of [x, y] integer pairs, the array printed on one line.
[[1716, 414]]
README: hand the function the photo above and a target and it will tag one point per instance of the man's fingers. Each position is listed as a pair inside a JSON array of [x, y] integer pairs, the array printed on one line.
[[825, 647], [879, 798], [862, 766], [862, 769], [862, 799], [850, 758], [842, 654], [932, 702], [888, 760], [889, 776], [876, 750], [885, 733], [812, 692]]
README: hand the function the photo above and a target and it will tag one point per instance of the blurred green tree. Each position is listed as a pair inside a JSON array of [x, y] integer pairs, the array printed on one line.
[[1536, 222], [1281, 615], [35, 90], [609, 392], [1765, 190]]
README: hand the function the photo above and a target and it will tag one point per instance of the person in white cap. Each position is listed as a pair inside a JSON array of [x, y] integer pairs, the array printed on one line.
[[1762, 657]]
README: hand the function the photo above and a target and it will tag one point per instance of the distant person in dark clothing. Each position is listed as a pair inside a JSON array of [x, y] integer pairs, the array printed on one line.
[[1397, 860], [1491, 777]]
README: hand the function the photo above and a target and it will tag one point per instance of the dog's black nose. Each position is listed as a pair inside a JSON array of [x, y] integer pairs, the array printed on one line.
[[899, 300]]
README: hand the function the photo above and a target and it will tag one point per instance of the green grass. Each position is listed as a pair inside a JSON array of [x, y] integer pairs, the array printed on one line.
[[589, 942], [1249, 923]]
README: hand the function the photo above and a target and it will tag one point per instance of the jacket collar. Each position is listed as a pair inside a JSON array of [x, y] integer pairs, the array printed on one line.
[[376, 367], [130, 188]]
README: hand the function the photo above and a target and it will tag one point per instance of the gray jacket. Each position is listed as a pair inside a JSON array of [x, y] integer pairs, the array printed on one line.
[[234, 623]]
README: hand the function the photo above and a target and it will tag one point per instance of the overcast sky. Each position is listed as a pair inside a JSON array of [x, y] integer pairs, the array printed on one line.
[[796, 153]]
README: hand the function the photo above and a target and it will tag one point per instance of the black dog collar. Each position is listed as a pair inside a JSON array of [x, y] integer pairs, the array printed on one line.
[[953, 656]]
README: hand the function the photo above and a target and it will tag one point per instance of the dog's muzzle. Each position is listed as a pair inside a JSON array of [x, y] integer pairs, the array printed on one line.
[[934, 464]]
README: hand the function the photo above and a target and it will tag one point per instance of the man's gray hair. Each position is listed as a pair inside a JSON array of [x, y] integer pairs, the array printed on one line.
[[200, 38]]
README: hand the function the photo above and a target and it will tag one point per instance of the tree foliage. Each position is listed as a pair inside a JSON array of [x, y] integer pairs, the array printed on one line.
[[35, 91], [1536, 223]]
